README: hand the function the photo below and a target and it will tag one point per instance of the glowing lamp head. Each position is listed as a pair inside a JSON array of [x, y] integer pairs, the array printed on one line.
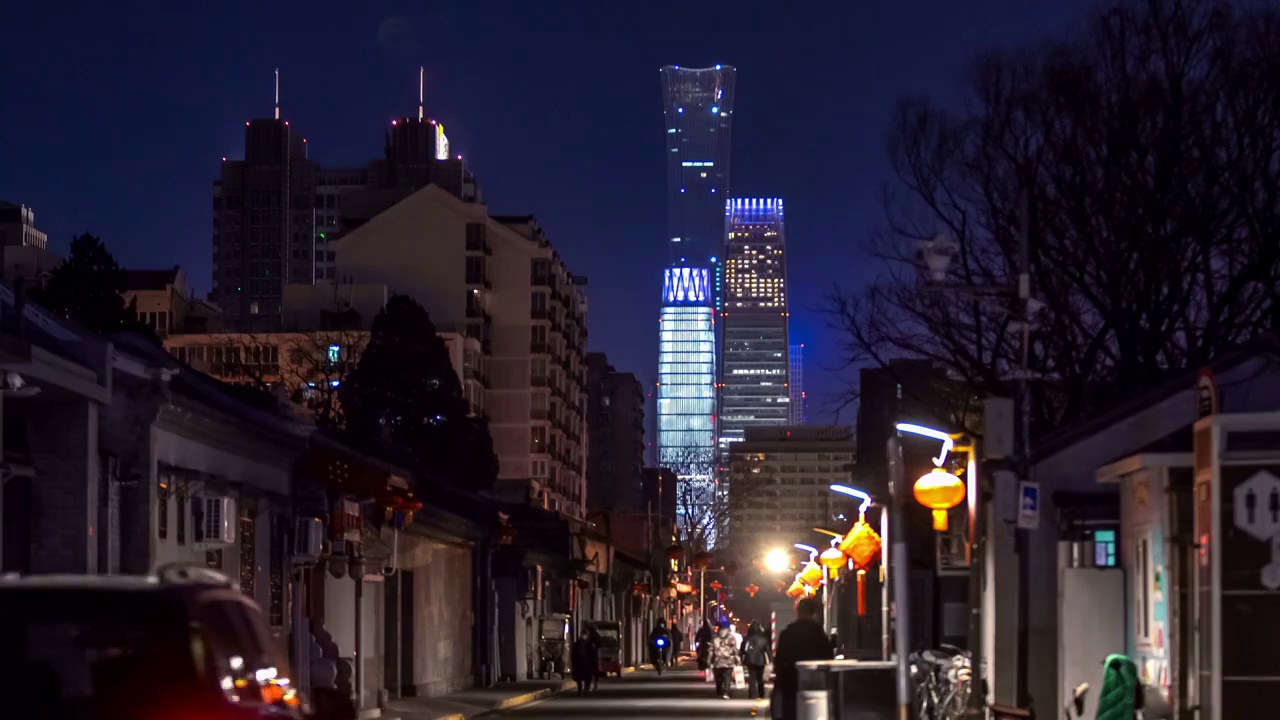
[[777, 560], [811, 574], [832, 558], [939, 491]]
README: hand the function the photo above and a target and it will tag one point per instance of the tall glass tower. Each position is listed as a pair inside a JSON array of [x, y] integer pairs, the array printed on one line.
[[687, 373], [698, 110], [754, 388]]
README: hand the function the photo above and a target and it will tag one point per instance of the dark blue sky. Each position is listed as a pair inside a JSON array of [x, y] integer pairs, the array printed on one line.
[[114, 120]]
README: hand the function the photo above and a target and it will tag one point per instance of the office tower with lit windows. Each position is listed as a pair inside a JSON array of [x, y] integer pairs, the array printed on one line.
[[698, 110], [799, 400], [754, 388]]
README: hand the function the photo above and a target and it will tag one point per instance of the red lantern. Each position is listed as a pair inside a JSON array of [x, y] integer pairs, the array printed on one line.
[[675, 552], [752, 589], [862, 546], [715, 585], [639, 588], [409, 505], [584, 585]]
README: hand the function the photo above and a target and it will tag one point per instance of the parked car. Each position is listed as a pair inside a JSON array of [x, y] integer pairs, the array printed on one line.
[[183, 643]]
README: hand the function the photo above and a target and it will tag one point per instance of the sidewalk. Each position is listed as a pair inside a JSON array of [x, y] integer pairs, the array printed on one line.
[[470, 703]]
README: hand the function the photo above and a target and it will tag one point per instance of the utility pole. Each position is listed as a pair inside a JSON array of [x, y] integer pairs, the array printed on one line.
[[901, 577], [1024, 444]]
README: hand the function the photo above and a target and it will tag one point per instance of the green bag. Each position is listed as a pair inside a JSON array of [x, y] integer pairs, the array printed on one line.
[[1119, 697]]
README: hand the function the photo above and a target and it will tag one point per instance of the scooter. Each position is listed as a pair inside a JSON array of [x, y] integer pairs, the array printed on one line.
[[659, 654], [1077, 702]]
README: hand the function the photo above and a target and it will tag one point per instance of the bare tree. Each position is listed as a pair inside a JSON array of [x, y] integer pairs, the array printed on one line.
[[1148, 151], [307, 368], [707, 499]]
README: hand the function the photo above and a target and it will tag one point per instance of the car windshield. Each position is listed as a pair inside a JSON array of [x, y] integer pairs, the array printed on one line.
[[90, 654]]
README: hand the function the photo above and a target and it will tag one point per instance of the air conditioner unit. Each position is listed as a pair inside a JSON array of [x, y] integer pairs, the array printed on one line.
[[308, 537], [219, 522]]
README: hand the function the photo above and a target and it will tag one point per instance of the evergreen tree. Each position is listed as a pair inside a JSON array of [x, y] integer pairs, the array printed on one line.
[[86, 289], [404, 390]]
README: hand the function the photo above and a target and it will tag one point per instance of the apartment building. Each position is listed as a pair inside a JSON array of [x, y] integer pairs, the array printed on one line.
[[780, 484], [520, 316]]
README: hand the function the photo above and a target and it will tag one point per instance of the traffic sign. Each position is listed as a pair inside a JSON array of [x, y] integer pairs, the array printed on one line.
[[1256, 505], [1028, 505]]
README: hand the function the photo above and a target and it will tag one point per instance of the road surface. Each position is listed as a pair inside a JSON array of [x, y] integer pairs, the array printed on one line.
[[677, 694]]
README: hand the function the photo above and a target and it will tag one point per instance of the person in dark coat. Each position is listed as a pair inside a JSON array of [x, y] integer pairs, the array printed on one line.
[[702, 643], [596, 640], [802, 640], [756, 654], [677, 639], [584, 662]]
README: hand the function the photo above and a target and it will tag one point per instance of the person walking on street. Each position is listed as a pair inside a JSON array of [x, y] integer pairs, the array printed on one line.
[[756, 654], [677, 639], [802, 640], [724, 658], [702, 644], [584, 662], [595, 642]]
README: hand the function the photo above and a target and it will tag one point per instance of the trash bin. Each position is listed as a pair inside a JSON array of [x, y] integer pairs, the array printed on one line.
[[847, 690]]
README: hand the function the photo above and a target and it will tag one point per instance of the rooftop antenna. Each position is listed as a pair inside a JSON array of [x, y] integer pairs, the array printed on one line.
[[421, 75], [277, 93]]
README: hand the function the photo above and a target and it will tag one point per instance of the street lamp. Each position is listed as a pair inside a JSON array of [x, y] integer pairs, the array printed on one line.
[[777, 560]]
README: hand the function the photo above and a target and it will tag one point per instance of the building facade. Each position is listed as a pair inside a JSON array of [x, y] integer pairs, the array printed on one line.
[[799, 400], [264, 225], [698, 109], [615, 438], [780, 482], [687, 374], [164, 303], [754, 388], [24, 247], [499, 283]]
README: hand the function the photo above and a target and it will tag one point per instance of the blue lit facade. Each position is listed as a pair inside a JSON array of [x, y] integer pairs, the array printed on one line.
[[754, 385], [698, 110], [687, 373]]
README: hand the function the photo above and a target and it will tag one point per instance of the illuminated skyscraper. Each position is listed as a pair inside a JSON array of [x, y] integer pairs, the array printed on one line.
[[686, 390], [754, 388], [698, 108], [799, 400]]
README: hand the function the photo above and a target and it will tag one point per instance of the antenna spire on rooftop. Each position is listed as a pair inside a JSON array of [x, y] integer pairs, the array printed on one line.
[[421, 76], [277, 93]]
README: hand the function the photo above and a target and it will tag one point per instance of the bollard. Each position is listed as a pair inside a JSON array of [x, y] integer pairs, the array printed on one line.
[[812, 705]]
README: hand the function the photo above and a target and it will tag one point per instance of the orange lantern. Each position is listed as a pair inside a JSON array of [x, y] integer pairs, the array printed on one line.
[[939, 491], [715, 585], [833, 560], [796, 590], [752, 589], [862, 545], [810, 574]]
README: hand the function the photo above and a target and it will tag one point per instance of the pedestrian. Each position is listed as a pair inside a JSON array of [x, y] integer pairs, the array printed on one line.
[[802, 640], [584, 663], [677, 640], [702, 641], [595, 642], [756, 655], [737, 636], [723, 658], [1121, 695]]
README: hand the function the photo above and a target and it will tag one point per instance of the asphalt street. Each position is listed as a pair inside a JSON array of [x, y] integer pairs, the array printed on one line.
[[676, 694]]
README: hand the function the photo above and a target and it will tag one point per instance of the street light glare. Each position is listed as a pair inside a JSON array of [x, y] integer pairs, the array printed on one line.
[[777, 560], [947, 442]]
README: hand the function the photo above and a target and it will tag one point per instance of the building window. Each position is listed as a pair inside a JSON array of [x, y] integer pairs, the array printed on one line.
[[162, 508], [276, 576], [253, 307], [248, 548], [1104, 548], [180, 506], [1142, 573]]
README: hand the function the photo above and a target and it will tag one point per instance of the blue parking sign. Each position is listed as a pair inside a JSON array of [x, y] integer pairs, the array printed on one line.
[[1028, 505]]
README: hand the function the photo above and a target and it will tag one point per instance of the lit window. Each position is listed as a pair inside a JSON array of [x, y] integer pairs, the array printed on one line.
[[335, 352], [1104, 548]]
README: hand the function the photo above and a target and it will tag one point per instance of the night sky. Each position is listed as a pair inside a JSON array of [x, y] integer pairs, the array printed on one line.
[[114, 120]]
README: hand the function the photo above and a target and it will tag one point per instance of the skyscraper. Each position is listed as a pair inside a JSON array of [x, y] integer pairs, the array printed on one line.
[[687, 394], [799, 400], [698, 108], [263, 225], [754, 390]]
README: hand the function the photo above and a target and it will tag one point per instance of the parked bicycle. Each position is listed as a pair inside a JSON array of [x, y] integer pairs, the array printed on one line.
[[941, 681]]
